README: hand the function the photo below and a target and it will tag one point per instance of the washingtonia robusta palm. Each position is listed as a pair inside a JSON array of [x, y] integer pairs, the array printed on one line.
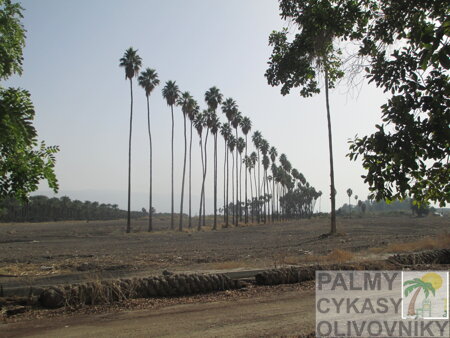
[[207, 124], [171, 93], [149, 80], [199, 122], [264, 147], [225, 131], [249, 166], [195, 110], [213, 98], [132, 62], [240, 145], [256, 138], [187, 106], [232, 146], [273, 157], [254, 159], [235, 123], [246, 126]]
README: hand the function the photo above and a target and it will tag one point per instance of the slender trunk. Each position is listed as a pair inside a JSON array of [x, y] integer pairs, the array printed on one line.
[[264, 200], [412, 303], [349, 207], [251, 194], [330, 144], [236, 207], [190, 179], [255, 203], [129, 160], [246, 201], [180, 227], [171, 207], [215, 182], [224, 185], [201, 192], [240, 187], [228, 186], [273, 195], [232, 188], [150, 206], [204, 178], [259, 188]]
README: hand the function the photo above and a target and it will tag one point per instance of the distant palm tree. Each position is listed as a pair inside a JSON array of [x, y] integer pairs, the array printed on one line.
[[246, 126], [235, 123], [254, 159], [207, 124], [349, 193], [149, 80], [213, 98], [273, 157], [232, 146], [187, 106], [225, 131], [191, 115], [199, 121], [132, 62], [171, 93], [240, 145], [256, 138], [264, 147]]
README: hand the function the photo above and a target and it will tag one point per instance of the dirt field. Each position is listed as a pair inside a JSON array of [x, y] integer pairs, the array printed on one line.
[[49, 253]]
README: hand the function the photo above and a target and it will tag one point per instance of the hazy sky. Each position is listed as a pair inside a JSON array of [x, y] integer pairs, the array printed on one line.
[[82, 100]]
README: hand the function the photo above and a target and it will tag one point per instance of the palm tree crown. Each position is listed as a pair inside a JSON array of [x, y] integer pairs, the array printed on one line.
[[229, 107], [213, 98], [132, 62], [246, 125], [148, 80], [171, 92]]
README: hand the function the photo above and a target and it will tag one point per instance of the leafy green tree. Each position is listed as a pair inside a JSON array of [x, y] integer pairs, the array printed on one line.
[[171, 93], [149, 80], [132, 62], [300, 61], [24, 162]]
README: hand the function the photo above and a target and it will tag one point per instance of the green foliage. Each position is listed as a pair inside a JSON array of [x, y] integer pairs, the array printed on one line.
[[24, 162], [12, 39]]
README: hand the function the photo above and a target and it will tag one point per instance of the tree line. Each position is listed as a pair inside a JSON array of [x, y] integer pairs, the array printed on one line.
[[42, 209], [258, 184]]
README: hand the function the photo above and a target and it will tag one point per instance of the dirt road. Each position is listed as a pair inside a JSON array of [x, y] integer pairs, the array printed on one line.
[[286, 313]]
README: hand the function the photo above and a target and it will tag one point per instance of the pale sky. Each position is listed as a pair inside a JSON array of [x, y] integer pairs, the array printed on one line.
[[82, 100]]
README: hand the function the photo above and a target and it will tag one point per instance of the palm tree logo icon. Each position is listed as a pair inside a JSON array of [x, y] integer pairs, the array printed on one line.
[[428, 283]]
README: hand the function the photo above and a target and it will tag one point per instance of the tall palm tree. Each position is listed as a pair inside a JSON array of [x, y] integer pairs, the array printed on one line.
[[207, 124], [254, 159], [132, 62], [192, 113], [149, 80], [240, 146], [256, 138], [171, 93], [225, 131], [235, 123], [213, 98], [273, 157], [349, 193], [264, 146], [214, 127], [246, 126], [232, 146], [187, 105], [199, 122]]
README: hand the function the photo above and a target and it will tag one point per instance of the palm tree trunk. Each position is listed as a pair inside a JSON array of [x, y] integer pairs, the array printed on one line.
[[171, 208], [246, 201], [264, 187], [201, 192], [236, 207], [412, 303], [150, 207], [227, 224], [224, 185], [256, 198], [190, 178], [129, 161], [232, 188], [204, 178], [180, 227], [330, 145], [215, 182], [240, 187], [259, 188], [251, 194], [273, 195]]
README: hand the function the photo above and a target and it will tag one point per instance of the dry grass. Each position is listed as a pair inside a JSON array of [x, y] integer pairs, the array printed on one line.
[[335, 256], [426, 243], [228, 265]]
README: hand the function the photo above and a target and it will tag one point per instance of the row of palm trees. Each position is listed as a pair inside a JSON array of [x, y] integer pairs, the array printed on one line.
[[266, 190]]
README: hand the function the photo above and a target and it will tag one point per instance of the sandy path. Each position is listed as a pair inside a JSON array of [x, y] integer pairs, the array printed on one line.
[[288, 313]]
